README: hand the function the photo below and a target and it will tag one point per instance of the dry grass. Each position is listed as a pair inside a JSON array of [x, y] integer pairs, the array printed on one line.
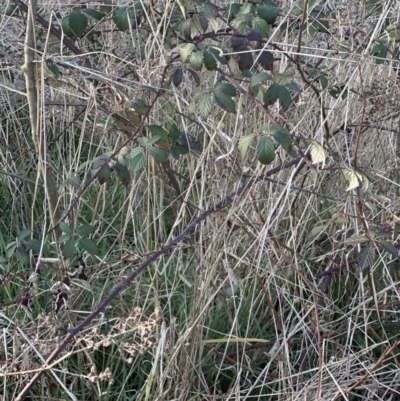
[[265, 300]]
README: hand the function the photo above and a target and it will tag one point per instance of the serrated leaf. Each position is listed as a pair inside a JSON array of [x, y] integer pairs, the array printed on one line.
[[77, 23], [366, 257], [93, 13], [389, 248], [177, 151], [154, 139], [140, 106], [84, 229], [75, 181], [89, 246], [225, 101], [205, 106], [261, 26], [65, 228], [121, 18], [265, 150], [226, 89], [356, 239], [256, 79], [177, 77], [122, 173], [185, 51], [195, 76], [282, 136], [284, 78], [266, 59], [138, 159], [158, 154], [317, 154], [277, 92], [209, 61], [34, 244], [196, 60], [69, 249], [104, 173], [159, 131], [270, 128], [244, 143], [245, 60]]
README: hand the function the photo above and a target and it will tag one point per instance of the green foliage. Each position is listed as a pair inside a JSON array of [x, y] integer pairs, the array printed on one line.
[[74, 24], [265, 150], [76, 241]]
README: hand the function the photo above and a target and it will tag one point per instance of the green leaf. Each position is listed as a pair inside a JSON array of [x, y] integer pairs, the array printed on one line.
[[65, 228], [265, 150], [93, 13], [205, 106], [256, 79], [65, 27], [217, 52], [196, 60], [121, 18], [225, 102], [23, 234], [69, 249], [261, 26], [268, 13], [104, 173], [389, 248], [158, 154], [153, 140], [122, 173], [284, 78], [11, 9], [244, 143], [277, 92], [227, 89], [356, 239], [380, 51], [89, 246], [323, 82], [22, 255], [158, 130], [140, 106], [185, 51], [245, 60], [77, 23], [282, 136], [195, 76], [209, 61], [84, 229], [266, 59], [177, 151], [232, 10], [34, 244], [75, 181], [138, 159], [366, 257], [177, 77]]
